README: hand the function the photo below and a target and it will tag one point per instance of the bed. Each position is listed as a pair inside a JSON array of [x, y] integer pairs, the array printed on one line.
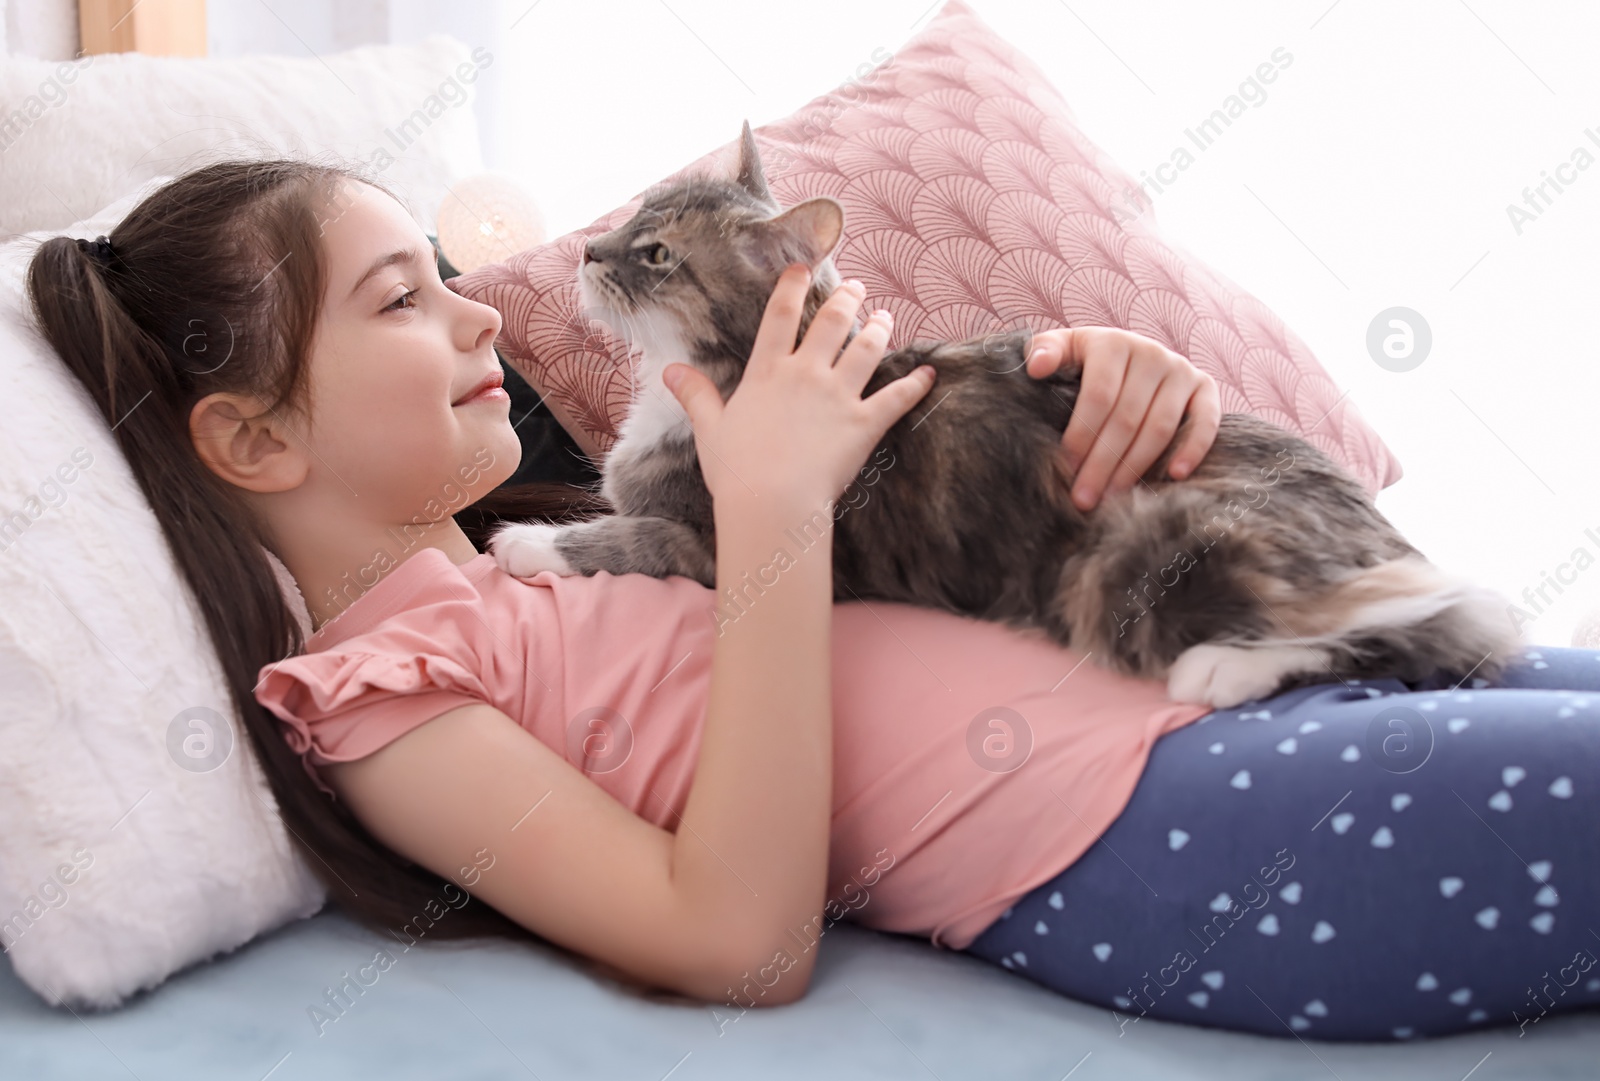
[[880, 1006], [306, 1000]]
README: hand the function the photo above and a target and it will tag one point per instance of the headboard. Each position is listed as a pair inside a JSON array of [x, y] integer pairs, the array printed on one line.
[[153, 27]]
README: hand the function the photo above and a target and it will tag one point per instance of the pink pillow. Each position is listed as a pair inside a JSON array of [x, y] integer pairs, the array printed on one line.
[[972, 204]]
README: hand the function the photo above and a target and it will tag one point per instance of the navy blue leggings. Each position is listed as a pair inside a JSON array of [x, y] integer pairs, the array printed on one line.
[[1371, 861]]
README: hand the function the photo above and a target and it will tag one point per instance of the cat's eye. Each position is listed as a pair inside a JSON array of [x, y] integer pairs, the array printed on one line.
[[657, 254]]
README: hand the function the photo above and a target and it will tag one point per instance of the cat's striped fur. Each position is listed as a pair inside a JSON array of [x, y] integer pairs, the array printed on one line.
[[1269, 566]]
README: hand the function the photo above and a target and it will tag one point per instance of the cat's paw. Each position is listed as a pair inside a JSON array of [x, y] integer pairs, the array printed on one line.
[[524, 550], [1224, 676]]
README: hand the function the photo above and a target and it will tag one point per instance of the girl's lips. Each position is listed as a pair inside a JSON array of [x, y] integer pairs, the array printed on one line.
[[489, 389], [487, 394]]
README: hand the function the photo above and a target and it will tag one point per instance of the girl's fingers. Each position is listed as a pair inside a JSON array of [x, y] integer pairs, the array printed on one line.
[[865, 351], [1098, 395], [1049, 351], [1161, 421], [894, 399], [781, 320], [1107, 457], [1205, 416], [832, 324]]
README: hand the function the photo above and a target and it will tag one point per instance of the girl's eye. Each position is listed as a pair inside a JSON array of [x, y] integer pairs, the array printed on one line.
[[399, 302], [659, 254]]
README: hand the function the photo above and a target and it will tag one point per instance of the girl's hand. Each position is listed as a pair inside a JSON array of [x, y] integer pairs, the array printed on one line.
[[1134, 395], [796, 430]]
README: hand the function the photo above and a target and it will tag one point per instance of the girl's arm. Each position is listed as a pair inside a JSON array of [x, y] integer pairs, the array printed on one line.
[[719, 904], [753, 844]]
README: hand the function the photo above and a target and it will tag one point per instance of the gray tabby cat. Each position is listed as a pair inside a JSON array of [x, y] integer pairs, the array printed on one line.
[[1267, 567]]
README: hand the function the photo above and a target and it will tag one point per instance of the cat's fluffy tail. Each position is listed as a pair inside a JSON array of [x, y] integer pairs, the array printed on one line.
[[1404, 618], [1231, 620]]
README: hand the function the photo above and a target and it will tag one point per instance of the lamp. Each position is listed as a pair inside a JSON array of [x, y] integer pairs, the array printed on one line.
[[485, 218]]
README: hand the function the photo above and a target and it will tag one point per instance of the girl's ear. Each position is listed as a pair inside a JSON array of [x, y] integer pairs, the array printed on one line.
[[805, 233], [248, 446]]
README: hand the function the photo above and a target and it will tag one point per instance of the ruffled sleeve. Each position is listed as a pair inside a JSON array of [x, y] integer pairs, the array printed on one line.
[[343, 704]]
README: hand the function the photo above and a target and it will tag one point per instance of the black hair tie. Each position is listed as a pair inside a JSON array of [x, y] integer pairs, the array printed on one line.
[[98, 249]]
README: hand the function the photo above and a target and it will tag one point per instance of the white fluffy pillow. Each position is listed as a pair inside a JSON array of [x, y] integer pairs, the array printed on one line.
[[76, 135], [123, 858]]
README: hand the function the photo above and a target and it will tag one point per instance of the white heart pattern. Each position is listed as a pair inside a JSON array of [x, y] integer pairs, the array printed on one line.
[[1212, 980], [1488, 918], [1241, 780], [1457, 725], [1547, 896], [1221, 903], [1543, 922], [1268, 924], [1427, 982], [1450, 886], [1317, 1008], [1501, 800], [1561, 788], [1310, 726], [1176, 839], [1539, 870], [1102, 951], [1511, 775], [1461, 996], [1056, 902], [1322, 932], [1290, 893], [1399, 802], [1288, 746], [1342, 822], [1383, 838], [1216, 748], [1350, 753], [1200, 999]]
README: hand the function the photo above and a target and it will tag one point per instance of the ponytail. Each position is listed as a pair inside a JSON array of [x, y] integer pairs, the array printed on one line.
[[187, 304]]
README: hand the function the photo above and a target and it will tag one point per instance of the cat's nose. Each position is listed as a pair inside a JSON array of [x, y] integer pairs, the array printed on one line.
[[588, 253]]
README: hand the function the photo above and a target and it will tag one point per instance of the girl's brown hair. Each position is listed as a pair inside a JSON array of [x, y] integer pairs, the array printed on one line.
[[215, 284]]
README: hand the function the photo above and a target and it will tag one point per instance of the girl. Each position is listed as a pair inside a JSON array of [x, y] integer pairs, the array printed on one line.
[[709, 785]]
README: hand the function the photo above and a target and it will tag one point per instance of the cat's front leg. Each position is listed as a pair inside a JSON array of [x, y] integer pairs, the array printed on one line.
[[617, 544]]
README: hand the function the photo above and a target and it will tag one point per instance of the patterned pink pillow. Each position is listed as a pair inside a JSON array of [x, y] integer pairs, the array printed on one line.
[[972, 204]]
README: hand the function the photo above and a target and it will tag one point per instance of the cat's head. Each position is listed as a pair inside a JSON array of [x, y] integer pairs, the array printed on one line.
[[688, 276]]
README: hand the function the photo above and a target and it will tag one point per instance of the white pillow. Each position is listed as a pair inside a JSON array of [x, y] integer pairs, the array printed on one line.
[[118, 865], [76, 135]]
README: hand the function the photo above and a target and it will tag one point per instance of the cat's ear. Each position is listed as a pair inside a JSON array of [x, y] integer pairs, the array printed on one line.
[[805, 233], [748, 173]]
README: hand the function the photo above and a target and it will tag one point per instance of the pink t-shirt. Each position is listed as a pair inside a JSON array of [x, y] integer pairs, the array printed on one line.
[[972, 761]]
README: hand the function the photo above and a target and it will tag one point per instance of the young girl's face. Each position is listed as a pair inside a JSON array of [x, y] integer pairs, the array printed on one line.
[[394, 354]]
